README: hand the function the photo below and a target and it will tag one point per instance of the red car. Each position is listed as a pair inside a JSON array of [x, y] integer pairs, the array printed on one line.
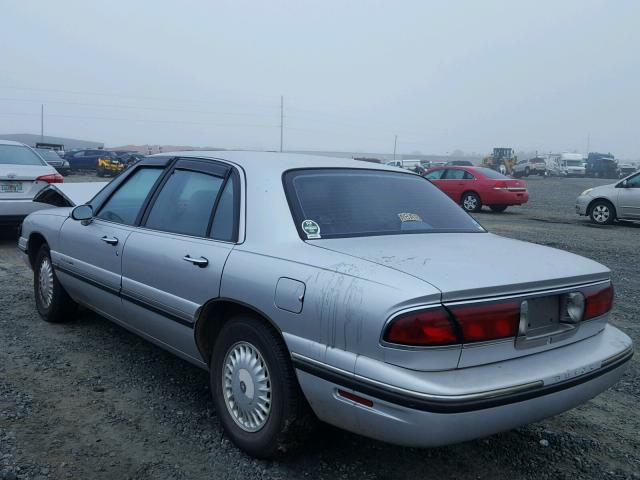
[[473, 187]]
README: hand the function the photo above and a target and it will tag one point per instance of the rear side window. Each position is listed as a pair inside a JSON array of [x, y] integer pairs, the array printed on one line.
[[19, 155], [455, 174], [126, 202], [487, 172], [185, 203], [333, 203]]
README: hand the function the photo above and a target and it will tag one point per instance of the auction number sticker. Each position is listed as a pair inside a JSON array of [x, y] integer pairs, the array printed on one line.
[[311, 228]]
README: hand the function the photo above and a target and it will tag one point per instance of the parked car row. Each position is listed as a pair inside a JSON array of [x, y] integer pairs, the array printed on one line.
[[358, 292]]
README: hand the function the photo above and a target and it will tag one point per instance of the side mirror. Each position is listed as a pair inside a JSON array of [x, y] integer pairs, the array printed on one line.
[[83, 213]]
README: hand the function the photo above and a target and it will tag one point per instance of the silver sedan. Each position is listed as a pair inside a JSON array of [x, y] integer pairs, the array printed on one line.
[[604, 204], [23, 173], [358, 290]]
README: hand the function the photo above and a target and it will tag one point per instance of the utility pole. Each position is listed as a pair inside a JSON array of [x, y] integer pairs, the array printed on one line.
[[395, 146], [42, 122], [281, 120]]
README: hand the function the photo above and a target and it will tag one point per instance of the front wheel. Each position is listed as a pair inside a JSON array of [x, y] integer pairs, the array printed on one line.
[[254, 387], [52, 301], [527, 170], [498, 208], [602, 213], [471, 202]]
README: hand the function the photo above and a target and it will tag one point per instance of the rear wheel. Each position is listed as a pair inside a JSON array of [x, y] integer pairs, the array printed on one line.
[[471, 202], [254, 387], [52, 301], [602, 213], [498, 208]]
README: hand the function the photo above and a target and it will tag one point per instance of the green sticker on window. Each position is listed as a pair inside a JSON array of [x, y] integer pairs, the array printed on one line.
[[311, 228]]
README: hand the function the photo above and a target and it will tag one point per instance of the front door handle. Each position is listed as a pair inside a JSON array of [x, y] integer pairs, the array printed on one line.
[[200, 262], [110, 240]]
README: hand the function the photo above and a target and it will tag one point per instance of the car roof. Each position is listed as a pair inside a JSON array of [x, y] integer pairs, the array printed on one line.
[[268, 162], [11, 142]]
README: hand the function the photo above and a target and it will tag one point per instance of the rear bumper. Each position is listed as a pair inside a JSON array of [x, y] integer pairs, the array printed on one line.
[[506, 197], [409, 417]]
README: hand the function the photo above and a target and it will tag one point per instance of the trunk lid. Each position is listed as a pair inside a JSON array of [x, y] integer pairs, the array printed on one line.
[[472, 265], [477, 266]]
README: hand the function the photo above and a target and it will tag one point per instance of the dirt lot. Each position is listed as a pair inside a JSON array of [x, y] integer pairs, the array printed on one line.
[[90, 400]]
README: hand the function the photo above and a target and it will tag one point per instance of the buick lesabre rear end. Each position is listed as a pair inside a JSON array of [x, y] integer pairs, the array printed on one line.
[[359, 290]]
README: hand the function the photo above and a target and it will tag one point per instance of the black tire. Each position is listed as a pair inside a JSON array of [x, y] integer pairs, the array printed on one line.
[[286, 403], [602, 212], [59, 307], [471, 202], [498, 208], [526, 171]]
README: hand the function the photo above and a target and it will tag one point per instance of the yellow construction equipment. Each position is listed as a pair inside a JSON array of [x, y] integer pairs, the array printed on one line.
[[501, 160]]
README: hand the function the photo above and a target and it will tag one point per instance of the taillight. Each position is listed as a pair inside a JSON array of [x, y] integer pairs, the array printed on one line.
[[431, 327], [480, 322], [598, 300], [500, 186], [52, 178]]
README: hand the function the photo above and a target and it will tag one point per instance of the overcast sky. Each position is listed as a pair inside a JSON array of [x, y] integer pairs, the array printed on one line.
[[448, 75]]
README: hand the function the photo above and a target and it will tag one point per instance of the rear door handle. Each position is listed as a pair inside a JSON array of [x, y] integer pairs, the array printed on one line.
[[110, 240], [200, 262]]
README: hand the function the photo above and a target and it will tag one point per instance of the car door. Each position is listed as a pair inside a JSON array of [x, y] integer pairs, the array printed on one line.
[[89, 259], [629, 198], [173, 263], [453, 182]]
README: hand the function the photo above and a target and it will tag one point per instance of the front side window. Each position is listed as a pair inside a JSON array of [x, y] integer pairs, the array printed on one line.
[[333, 203], [634, 182], [185, 203], [19, 155], [125, 204], [434, 175]]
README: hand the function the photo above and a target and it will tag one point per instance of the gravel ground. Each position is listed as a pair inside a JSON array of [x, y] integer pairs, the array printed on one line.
[[90, 400]]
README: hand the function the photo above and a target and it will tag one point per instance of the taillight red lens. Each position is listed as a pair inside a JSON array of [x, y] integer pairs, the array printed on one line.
[[487, 321], [52, 178], [500, 185], [430, 327], [598, 300]]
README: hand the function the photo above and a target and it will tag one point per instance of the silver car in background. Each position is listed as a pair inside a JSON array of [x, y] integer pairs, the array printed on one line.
[[23, 173], [356, 289], [616, 201], [55, 160]]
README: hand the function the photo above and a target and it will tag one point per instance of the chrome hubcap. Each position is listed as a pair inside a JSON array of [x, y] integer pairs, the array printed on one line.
[[246, 386], [45, 282], [601, 213], [470, 203]]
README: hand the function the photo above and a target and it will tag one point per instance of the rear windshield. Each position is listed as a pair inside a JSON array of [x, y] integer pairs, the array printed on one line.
[[48, 154], [19, 155], [334, 203], [487, 172]]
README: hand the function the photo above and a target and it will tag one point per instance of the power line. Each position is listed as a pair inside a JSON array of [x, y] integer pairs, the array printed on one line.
[[116, 95], [135, 107], [177, 122]]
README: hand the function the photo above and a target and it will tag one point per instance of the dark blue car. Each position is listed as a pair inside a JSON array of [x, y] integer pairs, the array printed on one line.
[[87, 159]]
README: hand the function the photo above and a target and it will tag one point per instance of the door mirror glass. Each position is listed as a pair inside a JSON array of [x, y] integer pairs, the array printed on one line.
[[82, 212]]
